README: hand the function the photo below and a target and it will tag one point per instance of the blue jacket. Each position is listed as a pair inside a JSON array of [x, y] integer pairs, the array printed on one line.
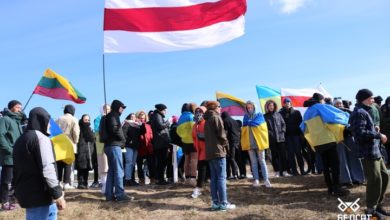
[[363, 129]]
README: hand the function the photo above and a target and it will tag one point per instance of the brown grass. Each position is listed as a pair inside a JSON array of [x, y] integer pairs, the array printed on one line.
[[290, 198]]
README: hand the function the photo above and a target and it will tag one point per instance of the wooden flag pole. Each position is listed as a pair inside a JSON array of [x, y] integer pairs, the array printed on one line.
[[28, 101]]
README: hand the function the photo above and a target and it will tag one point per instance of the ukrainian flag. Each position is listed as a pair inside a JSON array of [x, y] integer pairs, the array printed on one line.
[[184, 127], [258, 127], [63, 147], [323, 124], [265, 93]]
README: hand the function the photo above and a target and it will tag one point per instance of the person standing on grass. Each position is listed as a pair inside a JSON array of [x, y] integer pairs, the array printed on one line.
[[36, 185], [10, 130], [254, 138], [199, 142], [369, 139], [70, 127], [111, 126], [216, 149], [85, 149]]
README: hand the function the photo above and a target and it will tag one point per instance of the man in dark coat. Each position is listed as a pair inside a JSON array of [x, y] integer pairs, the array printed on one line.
[[36, 184], [161, 140], [10, 130], [233, 135], [113, 149]]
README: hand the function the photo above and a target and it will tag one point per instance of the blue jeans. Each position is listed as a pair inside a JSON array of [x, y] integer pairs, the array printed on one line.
[[131, 159], [115, 173], [257, 158], [44, 212], [218, 181]]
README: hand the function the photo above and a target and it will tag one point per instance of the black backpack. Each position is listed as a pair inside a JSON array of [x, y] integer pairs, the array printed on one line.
[[103, 135]]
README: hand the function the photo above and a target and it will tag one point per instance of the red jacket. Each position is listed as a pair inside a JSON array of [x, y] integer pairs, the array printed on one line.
[[146, 147], [198, 137]]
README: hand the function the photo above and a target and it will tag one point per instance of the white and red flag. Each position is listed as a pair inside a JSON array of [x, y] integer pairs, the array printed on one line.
[[170, 25]]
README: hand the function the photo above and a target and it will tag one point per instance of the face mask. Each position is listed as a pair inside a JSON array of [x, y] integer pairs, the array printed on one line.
[[198, 116]]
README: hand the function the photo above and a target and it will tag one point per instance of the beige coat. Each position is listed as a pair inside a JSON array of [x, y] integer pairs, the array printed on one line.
[[70, 126]]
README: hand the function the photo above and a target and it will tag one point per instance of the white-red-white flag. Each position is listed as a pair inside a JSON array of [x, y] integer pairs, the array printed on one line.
[[170, 25]]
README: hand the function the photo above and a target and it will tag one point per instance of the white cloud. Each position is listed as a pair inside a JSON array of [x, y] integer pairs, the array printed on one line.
[[289, 6]]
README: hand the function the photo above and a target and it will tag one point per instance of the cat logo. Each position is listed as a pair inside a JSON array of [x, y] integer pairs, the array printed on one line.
[[348, 207]]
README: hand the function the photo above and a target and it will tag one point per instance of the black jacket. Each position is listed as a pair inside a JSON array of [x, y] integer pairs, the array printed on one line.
[[232, 129], [35, 172], [160, 128], [85, 147], [115, 136], [276, 127], [293, 119], [132, 132]]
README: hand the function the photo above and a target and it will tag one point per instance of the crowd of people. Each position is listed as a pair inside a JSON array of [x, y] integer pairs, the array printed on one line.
[[349, 147]]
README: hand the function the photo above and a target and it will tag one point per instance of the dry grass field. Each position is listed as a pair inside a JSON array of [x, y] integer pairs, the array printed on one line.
[[301, 197]]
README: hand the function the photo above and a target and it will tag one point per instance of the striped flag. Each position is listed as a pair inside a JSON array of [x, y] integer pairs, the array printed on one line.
[[231, 104], [265, 93], [170, 25], [299, 96], [63, 147], [56, 86]]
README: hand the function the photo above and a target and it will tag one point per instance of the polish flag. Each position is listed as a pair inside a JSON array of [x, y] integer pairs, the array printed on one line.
[[170, 25]]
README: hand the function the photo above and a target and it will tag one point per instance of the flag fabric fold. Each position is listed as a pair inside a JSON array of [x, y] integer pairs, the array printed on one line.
[[160, 26], [266, 93], [323, 124], [258, 128], [234, 106], [184, 127], [63, 147], [56, 86]]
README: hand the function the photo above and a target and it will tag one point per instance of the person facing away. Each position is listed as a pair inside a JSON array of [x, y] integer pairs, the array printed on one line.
[[113, 144], [70, 127], [233, 135], [36, 185], [216, 150], [10, 131], [369, 139]]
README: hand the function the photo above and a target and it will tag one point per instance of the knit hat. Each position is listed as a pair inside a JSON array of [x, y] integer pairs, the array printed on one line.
[[378, 99], [287, 99], [212, 105], [318, 96], [160, 107], [363, 94], [12, 103]]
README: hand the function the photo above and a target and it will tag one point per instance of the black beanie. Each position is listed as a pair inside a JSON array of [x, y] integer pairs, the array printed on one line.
[[69, 109], [12, 103], [160, 107], [318, 97], [363, 94]]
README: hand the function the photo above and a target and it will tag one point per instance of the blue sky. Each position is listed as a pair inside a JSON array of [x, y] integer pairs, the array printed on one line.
[[345, 45]]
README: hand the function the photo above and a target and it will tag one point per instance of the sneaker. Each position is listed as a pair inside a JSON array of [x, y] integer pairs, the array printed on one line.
[[276, 174], [214, 207], [382, 211], [340, 192], [162, 183], [142, 182], [81, 186], [125, 198], [286, 174], [8, 206], [94, 185], [68, 186], [256, 183], [131, 183], [374, 215], [267, 184], [242, 176], [228, 206], [196, 193]]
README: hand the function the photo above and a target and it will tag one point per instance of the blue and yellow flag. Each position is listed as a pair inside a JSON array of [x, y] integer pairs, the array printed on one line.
[[184, 127], [323, 124], [266, 93], [63, 147], [258, 127]]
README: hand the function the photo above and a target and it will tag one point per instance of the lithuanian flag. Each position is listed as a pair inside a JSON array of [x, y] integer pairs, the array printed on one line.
[[56, 86], [231, 104]]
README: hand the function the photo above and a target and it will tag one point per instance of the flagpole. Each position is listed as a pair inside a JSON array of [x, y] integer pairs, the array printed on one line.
[[104, 81], [28, 101]]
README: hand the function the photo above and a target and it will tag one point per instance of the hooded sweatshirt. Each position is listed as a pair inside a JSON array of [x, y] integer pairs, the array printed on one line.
[[215, 136], [35, 173]]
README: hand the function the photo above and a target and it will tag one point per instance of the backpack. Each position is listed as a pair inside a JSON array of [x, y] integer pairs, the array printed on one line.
[[103, 135]]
